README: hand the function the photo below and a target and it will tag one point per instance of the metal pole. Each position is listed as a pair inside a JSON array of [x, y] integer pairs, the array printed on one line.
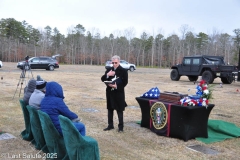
[[238, 78]]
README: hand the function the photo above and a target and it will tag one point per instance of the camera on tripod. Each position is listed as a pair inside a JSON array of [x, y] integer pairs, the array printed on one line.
[[26, 65]]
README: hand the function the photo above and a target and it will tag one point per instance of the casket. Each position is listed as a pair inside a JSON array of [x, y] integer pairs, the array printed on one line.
[[172, 97]]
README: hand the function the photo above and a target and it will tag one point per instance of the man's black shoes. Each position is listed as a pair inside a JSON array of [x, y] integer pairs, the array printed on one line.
[[108, 128]]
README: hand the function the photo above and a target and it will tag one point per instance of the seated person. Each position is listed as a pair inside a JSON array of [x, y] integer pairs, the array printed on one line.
[[28, 90], [53, 105], [38, 94]]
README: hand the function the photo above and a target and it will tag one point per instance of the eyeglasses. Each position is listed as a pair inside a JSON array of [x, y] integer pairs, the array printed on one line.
[[114, 62]]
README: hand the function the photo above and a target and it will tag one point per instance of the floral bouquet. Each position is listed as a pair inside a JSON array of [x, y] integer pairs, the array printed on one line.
[[206, 93], [202, 97]]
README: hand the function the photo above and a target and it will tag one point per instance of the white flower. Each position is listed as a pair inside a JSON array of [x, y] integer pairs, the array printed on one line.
[[206, 91], [191, 103], [204, 103]]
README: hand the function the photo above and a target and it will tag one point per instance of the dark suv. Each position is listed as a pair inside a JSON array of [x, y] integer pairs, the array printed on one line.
[[43, 62], [209, 67]]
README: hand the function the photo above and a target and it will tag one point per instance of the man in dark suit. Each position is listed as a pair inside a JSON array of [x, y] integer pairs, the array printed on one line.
[[115, 93]]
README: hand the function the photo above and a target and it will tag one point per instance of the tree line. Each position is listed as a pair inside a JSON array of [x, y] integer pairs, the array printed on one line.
[[19, 39]]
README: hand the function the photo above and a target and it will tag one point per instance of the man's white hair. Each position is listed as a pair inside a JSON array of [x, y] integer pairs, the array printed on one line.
[[116, 57]]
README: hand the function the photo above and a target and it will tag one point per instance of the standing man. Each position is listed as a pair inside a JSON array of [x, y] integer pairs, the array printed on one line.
[[115, 93]]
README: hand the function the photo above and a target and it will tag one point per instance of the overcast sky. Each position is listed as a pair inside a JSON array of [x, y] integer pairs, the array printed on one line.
[[111, 16]]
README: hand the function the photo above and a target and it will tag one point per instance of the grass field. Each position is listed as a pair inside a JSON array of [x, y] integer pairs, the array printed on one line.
[[85, 95]]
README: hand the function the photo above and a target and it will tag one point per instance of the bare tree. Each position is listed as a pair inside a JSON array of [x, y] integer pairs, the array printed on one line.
[[129, 34], [112, 42], [144, 38], [212, 47], [159, 48], [190, 43], [183, 30]]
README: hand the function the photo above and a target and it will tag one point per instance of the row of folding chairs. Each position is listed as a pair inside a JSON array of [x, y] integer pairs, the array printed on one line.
[[40, 130]]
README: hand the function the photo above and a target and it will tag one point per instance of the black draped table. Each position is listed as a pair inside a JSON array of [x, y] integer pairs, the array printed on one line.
[[183, 122]]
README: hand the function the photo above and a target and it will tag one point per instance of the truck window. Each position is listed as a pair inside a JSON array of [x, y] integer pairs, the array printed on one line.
[[216, 61], [196, 61], [187, 61]]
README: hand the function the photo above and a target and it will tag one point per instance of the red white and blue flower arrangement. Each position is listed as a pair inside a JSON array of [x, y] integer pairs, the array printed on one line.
[[202, 97]]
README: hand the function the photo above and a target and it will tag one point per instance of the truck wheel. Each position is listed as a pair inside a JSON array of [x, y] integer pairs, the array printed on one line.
[[131, 69], [208, 76], [226, 80], [174, 75], [192, 78]]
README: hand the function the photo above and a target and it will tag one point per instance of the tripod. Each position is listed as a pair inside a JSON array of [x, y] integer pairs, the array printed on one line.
[[26, 67]]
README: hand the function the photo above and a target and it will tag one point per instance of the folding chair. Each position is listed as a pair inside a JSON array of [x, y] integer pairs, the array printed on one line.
[[36, 129], [78, 147], [53, 139], [26, 133]]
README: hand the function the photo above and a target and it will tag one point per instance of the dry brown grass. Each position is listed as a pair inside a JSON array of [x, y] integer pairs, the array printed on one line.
[[84, 90]]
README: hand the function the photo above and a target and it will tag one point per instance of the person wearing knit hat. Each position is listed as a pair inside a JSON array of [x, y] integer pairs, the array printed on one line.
[[28, 90], [41, 85], [38, 94]]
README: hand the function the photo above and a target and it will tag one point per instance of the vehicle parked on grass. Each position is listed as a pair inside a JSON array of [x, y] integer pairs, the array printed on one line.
[[123, 63], [1, 64], [209, 67], [42, 62]]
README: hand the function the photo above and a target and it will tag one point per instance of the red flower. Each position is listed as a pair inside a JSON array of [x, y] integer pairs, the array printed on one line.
[[204, 88], [193, 101], [201, 83], [206, 101]]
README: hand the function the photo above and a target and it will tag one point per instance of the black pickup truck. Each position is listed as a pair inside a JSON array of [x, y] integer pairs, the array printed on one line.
[[209, 67]]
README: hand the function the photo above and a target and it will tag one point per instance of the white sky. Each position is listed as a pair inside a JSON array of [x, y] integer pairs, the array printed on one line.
[[111, 16]]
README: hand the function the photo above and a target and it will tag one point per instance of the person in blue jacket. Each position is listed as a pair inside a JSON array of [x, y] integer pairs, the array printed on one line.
[[53, 105]]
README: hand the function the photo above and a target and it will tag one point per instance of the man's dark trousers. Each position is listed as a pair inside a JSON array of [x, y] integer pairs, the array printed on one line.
[[120, 119]]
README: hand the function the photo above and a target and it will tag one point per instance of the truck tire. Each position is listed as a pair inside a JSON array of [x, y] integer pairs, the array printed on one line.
[[175, 75], [208, 76], [192, 78], [227, 80]]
